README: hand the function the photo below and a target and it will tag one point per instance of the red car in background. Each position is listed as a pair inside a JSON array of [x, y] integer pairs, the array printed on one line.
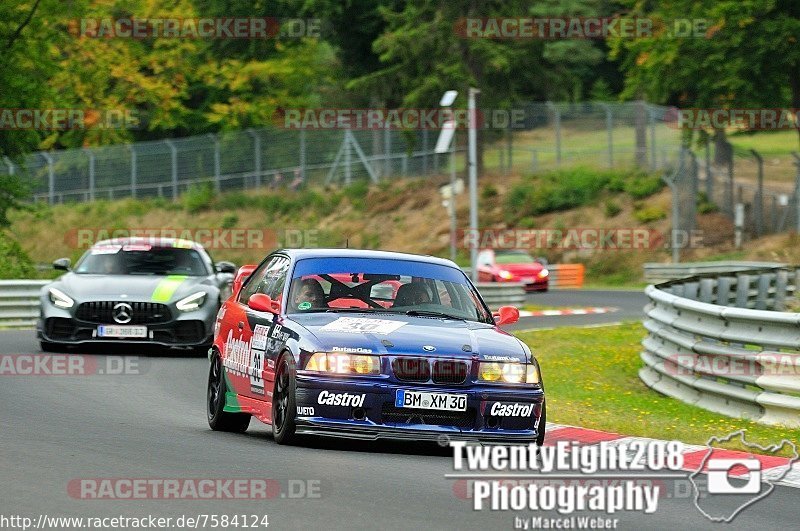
[[512, 266]]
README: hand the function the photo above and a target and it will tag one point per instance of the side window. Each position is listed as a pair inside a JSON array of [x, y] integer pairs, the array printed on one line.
[[276, 279], [257, 280]]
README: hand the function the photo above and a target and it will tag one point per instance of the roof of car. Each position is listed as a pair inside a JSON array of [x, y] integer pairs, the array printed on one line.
[[153, 241], [298, 254]]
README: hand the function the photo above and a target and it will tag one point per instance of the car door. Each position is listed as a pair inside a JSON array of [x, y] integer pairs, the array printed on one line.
[[266, 332]]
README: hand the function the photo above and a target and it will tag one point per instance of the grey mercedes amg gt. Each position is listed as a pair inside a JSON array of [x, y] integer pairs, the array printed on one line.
[[160, 291]]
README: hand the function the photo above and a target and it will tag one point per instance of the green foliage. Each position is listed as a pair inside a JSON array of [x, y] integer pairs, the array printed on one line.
[[14, 261], [489, 192], [612, 209], [705, 205], [230, 221], [565, 189], [198, 197], [648, 213]]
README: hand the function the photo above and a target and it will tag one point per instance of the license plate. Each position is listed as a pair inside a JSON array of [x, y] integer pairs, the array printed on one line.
[[122, 331], [422, 400]]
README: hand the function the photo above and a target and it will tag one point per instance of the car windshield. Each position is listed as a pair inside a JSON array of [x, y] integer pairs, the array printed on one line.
[[513, 257], [138, 260], [384, 286]]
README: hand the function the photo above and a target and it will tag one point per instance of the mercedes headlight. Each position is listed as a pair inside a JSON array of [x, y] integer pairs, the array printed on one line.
[[342, 363], [515, 373], [192, 302], [61, 299]]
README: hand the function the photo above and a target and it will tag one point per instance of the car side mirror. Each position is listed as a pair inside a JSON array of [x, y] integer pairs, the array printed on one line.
[[263, 303], [62, 264], [243, 274], [506, 315], [226, 267]]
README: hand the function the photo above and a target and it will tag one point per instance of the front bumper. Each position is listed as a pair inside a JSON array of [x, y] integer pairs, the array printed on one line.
[[189, 329], [377, 416]]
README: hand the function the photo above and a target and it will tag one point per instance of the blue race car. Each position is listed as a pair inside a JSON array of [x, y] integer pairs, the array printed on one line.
[[370, 345]]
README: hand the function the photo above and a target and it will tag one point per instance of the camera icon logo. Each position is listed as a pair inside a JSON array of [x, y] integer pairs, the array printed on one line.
[[721, 470]]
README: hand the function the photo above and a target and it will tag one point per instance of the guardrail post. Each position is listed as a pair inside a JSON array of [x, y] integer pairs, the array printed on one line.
[[724, 291], [174, 159], [132, 148], [742, 290], [781, 288]]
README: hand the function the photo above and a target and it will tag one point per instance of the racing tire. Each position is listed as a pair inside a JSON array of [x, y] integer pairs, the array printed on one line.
[[542, 425], [283, 402], [218, 418]]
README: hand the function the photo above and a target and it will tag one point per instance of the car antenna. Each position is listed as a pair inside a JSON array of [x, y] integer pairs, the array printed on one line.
[[347, 243]]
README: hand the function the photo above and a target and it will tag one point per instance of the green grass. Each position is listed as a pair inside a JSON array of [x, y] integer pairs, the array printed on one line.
[[591, 378], [768, 143]]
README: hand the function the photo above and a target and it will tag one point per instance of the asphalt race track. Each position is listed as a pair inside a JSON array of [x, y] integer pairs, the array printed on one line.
[[152, 425]]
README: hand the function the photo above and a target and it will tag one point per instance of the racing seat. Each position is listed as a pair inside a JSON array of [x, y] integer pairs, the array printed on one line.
[[411, 294]]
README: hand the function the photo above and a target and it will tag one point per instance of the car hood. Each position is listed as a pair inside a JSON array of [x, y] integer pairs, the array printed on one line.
[[521, 269], [149, 288], [394, 334]]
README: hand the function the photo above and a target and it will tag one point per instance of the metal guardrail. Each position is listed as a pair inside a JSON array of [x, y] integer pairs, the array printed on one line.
[[657, 273], [19, 302], [723, 342], [497, 294]]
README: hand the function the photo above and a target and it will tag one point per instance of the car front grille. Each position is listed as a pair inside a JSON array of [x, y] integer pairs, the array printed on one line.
[[142, 313], [449, 372], [411, 369], [391, 414], [418, 370]]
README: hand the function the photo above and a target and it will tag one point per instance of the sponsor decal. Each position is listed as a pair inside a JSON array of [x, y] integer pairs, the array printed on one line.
[[354, 350], [304, 306], [237, 354], [358, 325], [306, 411], [167, 288], [260, 333], [327, 398], [511, 410], [500, 358]]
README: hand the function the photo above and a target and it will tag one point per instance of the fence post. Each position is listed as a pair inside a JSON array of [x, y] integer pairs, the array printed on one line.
[[90, 156], [759, 199], [215, 140], [424, 152], [387, 151], [652, 118], [174, 156], [709, 173], [10, 165], [557, 126], [797, 192], [348, 159], [51, 178], [303, 154], [510, 146], [256, 157], [609, 134], [730, 185], [133, 170]]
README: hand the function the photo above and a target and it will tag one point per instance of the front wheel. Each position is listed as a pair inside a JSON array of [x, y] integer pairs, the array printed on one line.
[[218, 418], [283, 402]]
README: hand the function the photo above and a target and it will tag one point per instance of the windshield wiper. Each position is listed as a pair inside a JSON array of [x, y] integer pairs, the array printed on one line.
[[429, 313]]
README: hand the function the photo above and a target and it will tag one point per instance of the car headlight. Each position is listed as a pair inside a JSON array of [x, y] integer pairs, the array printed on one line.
[[506, 275], [61, 299], [517, 373], [544, 273], [192, 302], [341, 363]]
